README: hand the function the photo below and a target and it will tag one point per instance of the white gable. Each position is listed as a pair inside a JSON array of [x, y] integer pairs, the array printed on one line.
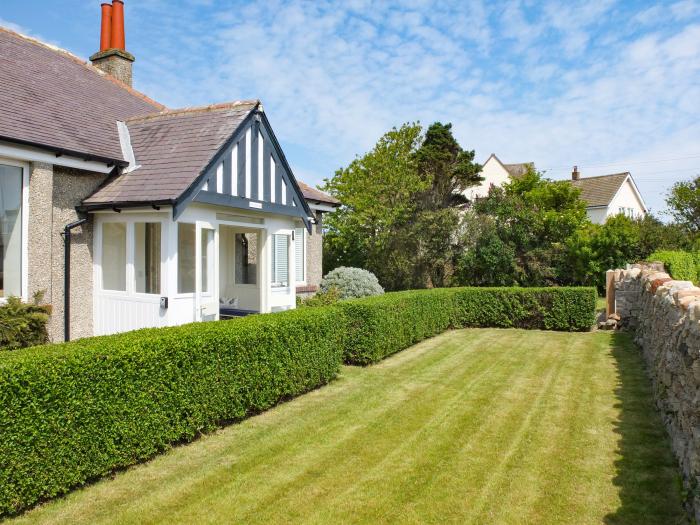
[[494, 174]]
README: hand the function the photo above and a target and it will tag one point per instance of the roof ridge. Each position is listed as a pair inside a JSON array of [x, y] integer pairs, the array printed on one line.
[[602, 176], [195, 109], [85, 64]]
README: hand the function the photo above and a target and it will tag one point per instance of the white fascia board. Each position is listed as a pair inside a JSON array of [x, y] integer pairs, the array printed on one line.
[[321, 207], [32, 154]]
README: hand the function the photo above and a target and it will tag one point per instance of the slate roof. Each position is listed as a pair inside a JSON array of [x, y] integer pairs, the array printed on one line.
[[314, 195], [517, 170], [600, 190], [52, 99], [172, 148]]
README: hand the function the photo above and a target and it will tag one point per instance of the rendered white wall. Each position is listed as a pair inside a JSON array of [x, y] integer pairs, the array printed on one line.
[[494, 174]]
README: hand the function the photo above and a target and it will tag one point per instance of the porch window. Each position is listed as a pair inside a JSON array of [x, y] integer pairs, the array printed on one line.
[[299, 253], [186, 235], [114, 256], [147, 257], [280, 260], [10, 230]]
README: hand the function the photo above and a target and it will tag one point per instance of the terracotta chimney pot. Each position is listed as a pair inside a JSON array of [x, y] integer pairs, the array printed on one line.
[[118, 38], [106, 29]]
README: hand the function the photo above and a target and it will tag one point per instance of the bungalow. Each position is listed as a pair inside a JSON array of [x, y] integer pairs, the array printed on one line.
[[126, 214]]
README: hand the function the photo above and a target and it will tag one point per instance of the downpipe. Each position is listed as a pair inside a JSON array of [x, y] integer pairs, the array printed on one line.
[[66, 274]]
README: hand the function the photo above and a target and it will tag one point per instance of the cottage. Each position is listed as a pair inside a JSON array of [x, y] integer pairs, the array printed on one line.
[[128, 214], [495, 173], [608, 195]]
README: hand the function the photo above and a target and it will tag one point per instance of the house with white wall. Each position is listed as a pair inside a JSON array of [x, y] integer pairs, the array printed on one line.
[[127, 214], [495, 173], [608, 195], [605, 195]]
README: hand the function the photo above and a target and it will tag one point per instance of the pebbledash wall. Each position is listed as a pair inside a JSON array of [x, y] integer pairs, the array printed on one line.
[[54, 192], [665, 317]]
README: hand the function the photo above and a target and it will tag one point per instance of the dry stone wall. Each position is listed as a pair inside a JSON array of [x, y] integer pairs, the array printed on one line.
[[665, 316]]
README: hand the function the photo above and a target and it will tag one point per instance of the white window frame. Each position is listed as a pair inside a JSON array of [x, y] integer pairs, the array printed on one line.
[[176, 269], [24, 279], [290, 260], [130, 223]]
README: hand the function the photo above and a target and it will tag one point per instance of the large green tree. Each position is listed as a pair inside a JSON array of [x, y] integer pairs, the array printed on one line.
[[400, 207], [684, 204]]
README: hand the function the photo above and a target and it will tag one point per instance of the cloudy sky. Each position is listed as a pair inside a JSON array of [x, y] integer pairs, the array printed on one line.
[[609, 86]]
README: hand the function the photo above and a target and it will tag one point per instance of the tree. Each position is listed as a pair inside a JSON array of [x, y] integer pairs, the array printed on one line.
[[529, 221], [376, 192], [399, 213], [684, 204]]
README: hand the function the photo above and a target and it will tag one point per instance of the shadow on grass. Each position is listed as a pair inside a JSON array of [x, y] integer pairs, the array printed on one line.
[[647, 473]]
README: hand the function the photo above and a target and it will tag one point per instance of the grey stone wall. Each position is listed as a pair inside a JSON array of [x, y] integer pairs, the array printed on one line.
[[54, 192], [115, 62], [665, 316]]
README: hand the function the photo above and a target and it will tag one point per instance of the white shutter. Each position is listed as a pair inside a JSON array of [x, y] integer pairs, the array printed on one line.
[[299, 251], [280, 260]]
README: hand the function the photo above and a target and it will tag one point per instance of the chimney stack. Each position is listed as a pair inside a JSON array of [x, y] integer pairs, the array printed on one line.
[[113, 58], [575, 174]]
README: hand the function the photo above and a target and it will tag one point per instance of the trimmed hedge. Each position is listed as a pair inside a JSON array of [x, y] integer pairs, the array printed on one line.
[[76, 411], [684, 266], [380, 326], [73, 412], [23, 324]]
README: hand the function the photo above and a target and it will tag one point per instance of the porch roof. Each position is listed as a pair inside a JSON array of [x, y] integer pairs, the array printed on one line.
[[171, 149]]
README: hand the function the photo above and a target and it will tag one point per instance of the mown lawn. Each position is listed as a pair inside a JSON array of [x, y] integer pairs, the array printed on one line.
[[474, 426]]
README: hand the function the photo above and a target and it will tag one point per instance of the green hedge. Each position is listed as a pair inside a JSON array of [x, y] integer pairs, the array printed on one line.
[[684, 266], [76, 411], [382, 325]]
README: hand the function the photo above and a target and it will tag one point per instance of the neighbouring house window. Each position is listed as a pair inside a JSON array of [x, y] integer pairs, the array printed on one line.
[[114, 256], [280, 260], [147, 257], [207, 240], [299, 253], [246, 258], [11, 230], [186, 262]]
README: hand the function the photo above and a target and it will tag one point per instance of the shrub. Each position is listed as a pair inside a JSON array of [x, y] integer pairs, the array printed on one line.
[[327, 298], [684, 266], [351, 283], [75, 411], [380, 326], [22, 324]]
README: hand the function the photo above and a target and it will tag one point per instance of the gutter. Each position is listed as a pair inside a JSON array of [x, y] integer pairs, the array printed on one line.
[[66, 274]]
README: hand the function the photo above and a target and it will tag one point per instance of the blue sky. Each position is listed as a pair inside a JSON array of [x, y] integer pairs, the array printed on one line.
[[609, 86]]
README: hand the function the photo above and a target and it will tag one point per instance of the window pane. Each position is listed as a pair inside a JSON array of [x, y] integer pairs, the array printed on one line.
[[147, 257], [114, 256], [280, 260], [299, 250], [246, 251], [185, 258], [207, 241], [10, 231]]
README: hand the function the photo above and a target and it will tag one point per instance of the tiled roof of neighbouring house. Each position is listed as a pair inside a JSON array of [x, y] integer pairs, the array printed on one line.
[[52, 99], [600, 190], [518, 170], [172, 148], [314, 195]]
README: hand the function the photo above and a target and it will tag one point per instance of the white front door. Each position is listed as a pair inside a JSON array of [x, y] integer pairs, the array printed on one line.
[[206, 287]]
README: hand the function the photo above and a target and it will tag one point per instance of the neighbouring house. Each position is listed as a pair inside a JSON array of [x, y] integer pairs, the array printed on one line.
[[608, 195], [605, 195], [495, 174], [128, 214]]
